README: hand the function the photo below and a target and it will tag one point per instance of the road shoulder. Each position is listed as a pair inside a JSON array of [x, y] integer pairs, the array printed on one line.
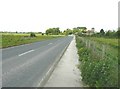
[[66, 73]]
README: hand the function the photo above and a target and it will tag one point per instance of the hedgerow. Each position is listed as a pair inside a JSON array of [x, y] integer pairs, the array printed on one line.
[[95, 70]]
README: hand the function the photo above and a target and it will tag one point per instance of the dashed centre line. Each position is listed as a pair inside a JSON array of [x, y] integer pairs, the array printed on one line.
[[26, 52], [50, 43], [30, 51]]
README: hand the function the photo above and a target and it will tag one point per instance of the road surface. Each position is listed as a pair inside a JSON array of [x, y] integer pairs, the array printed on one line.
[[25, 65], [67, 73]]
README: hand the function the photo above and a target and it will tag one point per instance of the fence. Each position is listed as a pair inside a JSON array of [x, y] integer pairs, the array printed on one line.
[[99, 49]]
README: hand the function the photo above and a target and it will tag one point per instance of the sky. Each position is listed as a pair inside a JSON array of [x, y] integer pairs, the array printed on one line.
[[39, 15]]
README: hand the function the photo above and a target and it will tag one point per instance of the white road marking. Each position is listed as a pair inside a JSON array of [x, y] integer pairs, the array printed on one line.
[[50, 43], [45, 76], [26, 52]]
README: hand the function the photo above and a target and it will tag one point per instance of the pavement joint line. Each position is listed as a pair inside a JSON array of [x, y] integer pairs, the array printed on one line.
[[26, 52]]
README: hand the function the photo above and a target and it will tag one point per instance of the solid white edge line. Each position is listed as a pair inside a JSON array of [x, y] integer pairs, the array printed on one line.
[[26, 52]]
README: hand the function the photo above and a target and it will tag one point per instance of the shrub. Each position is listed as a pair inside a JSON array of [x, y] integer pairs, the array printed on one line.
[[32, 34], [95, 71]]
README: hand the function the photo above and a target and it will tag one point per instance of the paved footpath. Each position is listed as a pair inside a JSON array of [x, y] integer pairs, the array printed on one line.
[[66, 74]]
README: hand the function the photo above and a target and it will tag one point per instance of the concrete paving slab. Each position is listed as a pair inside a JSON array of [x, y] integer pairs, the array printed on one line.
[[66, 74]]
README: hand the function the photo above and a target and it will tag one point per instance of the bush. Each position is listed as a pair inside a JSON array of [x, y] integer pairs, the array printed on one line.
[[42, 33], [97, 72], [32, 34]]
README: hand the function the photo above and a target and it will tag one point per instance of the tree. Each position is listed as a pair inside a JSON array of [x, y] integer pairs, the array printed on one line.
[[93, 28], [42, 33], [75, 30], [32, 34], [107, 33], [118, 33], [102, 32], [53, 31], [112, 34], [83, 28], [68, 32]]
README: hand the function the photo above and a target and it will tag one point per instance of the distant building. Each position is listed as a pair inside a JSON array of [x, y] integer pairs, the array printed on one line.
[[90, 32]]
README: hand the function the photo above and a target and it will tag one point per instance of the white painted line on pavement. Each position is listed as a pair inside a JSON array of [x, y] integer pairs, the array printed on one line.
[[50, 43], [45, 75], [26, 52]]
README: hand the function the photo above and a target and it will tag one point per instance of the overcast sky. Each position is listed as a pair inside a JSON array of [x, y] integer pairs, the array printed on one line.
[[38, 15]]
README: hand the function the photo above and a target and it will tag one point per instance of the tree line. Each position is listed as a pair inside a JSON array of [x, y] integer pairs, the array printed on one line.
[[81, 31]]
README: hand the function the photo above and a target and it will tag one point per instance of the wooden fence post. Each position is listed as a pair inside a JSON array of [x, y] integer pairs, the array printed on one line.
[[103, 51]]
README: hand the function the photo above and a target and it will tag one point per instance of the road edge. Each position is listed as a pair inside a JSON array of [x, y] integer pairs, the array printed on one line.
[[50, 71]]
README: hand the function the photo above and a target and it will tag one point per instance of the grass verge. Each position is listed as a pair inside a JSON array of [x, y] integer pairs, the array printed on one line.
[[9, 40], [97, 71]]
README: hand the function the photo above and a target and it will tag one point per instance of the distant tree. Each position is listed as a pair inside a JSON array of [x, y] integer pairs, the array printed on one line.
[[56, 31], [68, 32], [107, 33], [118, 33], [102, 32], [83, 28], [93, 28], [42, 33], [32, 34], [48, 31], [111, 34], [76, 30], [39, 32], [53, 31], [61, 33]]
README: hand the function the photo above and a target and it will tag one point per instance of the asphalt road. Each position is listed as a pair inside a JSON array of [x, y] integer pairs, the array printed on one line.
[[25, 65]]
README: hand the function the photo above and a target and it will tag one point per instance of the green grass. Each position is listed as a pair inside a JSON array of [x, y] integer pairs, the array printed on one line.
[[109, 41], [9, 40], [98, 71]]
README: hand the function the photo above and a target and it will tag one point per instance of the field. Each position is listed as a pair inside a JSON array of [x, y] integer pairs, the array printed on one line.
[[11, 39], [108, 41], [99, 61]]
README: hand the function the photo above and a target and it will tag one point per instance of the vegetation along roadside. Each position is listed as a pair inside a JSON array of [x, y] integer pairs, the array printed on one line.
[[9, 40], [99, 61]]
